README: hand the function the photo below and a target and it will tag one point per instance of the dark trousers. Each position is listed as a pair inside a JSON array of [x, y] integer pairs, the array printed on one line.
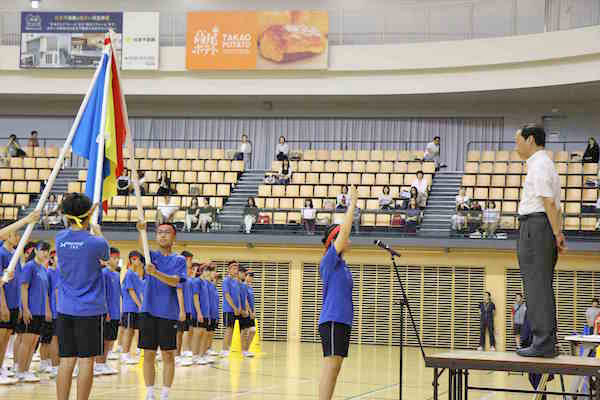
[[489, 326], [537, 254]]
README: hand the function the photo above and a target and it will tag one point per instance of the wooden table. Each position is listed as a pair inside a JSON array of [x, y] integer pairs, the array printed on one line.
[[458, 363]]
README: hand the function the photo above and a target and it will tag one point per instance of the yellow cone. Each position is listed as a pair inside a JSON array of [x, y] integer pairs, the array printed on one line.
[[255, 345], [236, 340]]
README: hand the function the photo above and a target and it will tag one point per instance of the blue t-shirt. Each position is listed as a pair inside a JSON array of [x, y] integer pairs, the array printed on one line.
[[12, 292], [213, 295], [81, 292], [36, 277], [113, 293], [337, 289], [132, 281], [243, 294], [53, 282], [188, 296], [160, 299], [250, 290], [232, 287], [202, 290]]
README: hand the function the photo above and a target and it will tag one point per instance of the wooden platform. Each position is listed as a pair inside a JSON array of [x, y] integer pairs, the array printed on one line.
[[511, 362]]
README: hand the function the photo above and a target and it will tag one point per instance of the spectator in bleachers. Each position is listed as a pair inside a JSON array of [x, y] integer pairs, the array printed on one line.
[[192, 216], [432, 153], [421, 183], [244, 150], [208, 214], [309, 215], [51, 215], [250, 215], [142, 182], [459, 220], [270, 178], [419, 197], [343, 199], [592, 313], [166, 210], [285, 173], [490, 219], [385, 199], [462, 198], [413, 214], [33, 139], [164, 184], [475, 217], [14, 149], [124, 183], [282, 150], [592, 152]]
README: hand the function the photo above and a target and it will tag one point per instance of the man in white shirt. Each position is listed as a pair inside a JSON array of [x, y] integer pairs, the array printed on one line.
[[540, 239], [432, 153], [421, 183]]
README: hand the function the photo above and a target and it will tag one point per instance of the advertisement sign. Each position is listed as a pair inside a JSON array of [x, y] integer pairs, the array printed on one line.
[[67, 39], [242, 40], [140, 40]]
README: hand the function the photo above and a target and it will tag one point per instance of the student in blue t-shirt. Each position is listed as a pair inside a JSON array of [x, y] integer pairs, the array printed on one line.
[[81, 304], [35, 307], [48, 338], [184, 334], [335, 322], [232, 309], [213, 295], [199, 313], [132, 289], [252, 329], [112, 283], [162, 307], [245, 317]]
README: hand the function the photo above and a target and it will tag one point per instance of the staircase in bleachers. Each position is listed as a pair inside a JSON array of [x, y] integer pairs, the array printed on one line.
[[441, 204], [247, 186]]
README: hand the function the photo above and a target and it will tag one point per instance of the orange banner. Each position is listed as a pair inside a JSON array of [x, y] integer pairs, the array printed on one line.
[[239, 40]]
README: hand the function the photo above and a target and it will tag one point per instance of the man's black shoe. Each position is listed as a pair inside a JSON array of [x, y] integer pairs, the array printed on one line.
[[533, 352]]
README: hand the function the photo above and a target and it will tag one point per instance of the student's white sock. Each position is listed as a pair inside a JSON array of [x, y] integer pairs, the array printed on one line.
[[165, 392]]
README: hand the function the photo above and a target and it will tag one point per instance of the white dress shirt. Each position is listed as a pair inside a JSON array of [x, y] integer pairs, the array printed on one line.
[[541, 181], [421, 185]]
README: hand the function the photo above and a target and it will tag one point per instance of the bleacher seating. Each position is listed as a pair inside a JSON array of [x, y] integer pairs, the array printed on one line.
[[321, 174], [499, 175], [193, 173]]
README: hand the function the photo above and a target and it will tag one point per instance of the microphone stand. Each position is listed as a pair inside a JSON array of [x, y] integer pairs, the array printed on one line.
[[404, 302]]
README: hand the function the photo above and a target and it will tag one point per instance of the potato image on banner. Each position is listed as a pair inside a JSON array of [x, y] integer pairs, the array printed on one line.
[[317, 19], [284, 43], [269, 18]]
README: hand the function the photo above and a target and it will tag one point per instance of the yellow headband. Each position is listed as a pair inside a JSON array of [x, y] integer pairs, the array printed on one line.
[[78, 220]]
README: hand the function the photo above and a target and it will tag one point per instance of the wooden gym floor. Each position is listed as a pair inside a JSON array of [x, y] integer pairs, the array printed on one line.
[[286, 371]]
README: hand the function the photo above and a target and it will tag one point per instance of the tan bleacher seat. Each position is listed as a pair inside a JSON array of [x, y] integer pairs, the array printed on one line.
[[152, 153], [364, 191], [486, 168], [22, 200], [292, 191], [358, 166], [511, 194], [237, 165], [197, 165], [31, 174], [396, 179], [333, 190], [72, 187], [368, 179], [572, 208], [340, 179], [331, 166], [317, 166], [473, 155], [286, 203], [192, 154], [387, 167], [575, 181], [34, 187], [514, 156], [572, 223], [349, 155], [306, 191], [279, 218], [590, 195], [82, 175], [502, 155], [271, 202], [8, 199], [471, 168], [16, 162], [590, 169], [176, 176], [372, 167], [363, 155], [299, 203], [345, 166], [169, 165], [28, 162], [500, 168], [5, 174], [211, 165], [336, 155], [354, 179], [294, 217], [18, 174], [224, 165], [183, 165], [417, 154], [480, 193], [204, 154], [309, 155], [483, 180], [322, 155], [158, 165], [217, 177], [382, 219], [312, 178], [223, 190], [575, 168], [320, 191], [498, 181], [52, 152], [39, 152], [298, 178], [488, 155], [382, 179], [43, 174], [496, 193], [414, 167], [368, 219], [405, 155], [574, 194], [588, 223], [515, 168], [230, 177], [177, 154], [145, 164], [509, 207], [218, 154], [390, 155]]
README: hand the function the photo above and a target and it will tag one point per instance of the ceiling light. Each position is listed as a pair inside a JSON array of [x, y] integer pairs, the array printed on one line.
[[35, 3]]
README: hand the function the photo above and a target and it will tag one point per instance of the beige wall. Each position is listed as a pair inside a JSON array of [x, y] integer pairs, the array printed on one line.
[[494, 262]]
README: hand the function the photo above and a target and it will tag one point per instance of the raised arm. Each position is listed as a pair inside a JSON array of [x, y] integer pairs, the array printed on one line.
[[31, 218], [342, 240]]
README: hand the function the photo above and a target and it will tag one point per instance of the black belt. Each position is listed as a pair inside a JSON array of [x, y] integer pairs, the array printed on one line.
[[532, 215]]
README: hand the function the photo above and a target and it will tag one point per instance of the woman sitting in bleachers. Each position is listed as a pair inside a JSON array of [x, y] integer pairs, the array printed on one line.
[[250, 215], [592, 152], [343, 199], [309, 215], [462, 198], [490, 219], [124, 183], [51, 215], [285, 173], [459, 220], [207, 215], [164, 184], [413, 215], [14, 149], [385, 199], [282, 150], [192, 216]]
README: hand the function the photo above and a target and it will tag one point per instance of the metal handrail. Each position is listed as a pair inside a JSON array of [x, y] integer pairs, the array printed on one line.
[[44, 141], [345, 144], [501, 144]]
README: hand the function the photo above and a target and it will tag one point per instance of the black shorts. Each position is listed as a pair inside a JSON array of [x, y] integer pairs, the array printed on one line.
[[157, 332], [80, 336], [13, 320], [197, 324], [252, 323], [34, 327], [517, 329], [48, 331], [111, 330], [129, 320], [184, 326], [213, 325], [229, 319], [245, 323], [335, 338]]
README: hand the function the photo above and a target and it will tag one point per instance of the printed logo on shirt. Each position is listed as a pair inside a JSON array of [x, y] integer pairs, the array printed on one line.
[[71, 245]]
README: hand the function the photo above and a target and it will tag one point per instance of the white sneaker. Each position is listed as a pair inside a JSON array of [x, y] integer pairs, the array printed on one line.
[[113, 355], [164, 396], [184, 362], [6, 380], [138, 352], [9, 373], [36, 357], [30, 377], [53, 372], [98, 370], [201, 361], [224, 353], [492, 348], [211, 352], [132, 361], [187, 354], [150, 395], [209, 360], [10, 355], [480, 348], [249, 354], [108, 370]]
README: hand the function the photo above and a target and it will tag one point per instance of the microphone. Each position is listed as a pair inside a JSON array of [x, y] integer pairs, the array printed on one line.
[[386, 247]]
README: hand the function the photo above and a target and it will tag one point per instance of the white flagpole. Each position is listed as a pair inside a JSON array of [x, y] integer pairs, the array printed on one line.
[[52, 178], [134, 173], [100, 140]]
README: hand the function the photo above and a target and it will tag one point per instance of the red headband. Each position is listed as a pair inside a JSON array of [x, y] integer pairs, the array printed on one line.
[[331, 236], [170, 226]]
